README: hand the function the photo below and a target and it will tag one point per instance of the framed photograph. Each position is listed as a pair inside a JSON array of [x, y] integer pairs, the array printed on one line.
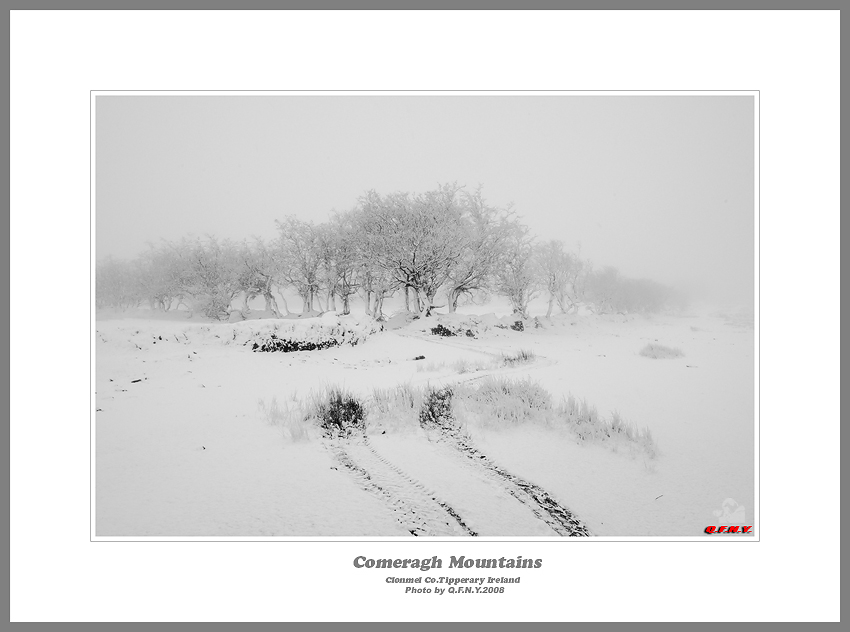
[[519, 316]]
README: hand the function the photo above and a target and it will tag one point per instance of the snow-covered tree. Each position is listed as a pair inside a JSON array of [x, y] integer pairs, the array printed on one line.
[[340, 250], [115, 284], [483, 234], [603, 288], [553, 265], [299, 249], [260, 268], [516, 276], [414, 238], [161, 275], [212, 275]]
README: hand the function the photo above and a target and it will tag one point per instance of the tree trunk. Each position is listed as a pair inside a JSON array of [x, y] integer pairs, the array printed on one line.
[[369, 302], [283, 300], [346, 305], [247, 298], [551, 301], [271, 303], [452, 298], [407, 298], [331, 301], [416, 304]]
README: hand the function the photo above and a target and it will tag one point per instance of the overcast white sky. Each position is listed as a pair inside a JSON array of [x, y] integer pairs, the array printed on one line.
[[658, 186]]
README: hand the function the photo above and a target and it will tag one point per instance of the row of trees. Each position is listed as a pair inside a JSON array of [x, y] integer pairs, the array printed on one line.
[[438, 249]]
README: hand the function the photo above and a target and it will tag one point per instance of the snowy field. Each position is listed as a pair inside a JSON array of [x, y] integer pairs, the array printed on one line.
[[200, 434]]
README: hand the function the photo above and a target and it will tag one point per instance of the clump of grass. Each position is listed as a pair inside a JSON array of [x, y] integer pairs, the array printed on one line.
[[586, 423], [387, 400], [289, 419], [467, 366], [523, 356], [660, 352], [498, 401], [393, 409], [338, 413], [459, 366], [518, 326]]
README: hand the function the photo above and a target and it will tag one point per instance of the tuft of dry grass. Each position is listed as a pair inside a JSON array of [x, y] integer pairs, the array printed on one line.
[[289, 417], [498, 401], [394, 409], [585, 422], [523, 356], [660, 352]]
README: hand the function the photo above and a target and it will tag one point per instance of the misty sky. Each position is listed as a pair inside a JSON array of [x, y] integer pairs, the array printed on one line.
[[660, 187]]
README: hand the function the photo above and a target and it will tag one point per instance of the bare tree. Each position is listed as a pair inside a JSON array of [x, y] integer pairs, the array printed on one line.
[[300, 252], [340, 252], [212, 276], [516, 276], [576, 288], [413, 238], [603, 287], [115, 284], [553, 265], [258, 276], [161, 275], [482, 237]]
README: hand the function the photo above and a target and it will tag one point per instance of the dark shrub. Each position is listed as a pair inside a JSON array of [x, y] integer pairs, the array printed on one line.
[[437, 409], [518, 326], [341, 415], [439, 330], [285, 345]]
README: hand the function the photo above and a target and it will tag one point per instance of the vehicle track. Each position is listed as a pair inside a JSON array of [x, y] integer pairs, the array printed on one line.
[[418, 509], [541, 503], [415, 507], [540, 362]]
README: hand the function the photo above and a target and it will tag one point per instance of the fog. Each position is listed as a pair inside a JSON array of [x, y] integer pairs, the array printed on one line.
[[660, 187]]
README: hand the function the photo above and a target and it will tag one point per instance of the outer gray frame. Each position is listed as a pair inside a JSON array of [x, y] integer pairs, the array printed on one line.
[[374, 5]]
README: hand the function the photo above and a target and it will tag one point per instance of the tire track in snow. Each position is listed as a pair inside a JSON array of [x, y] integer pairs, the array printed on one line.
[[447, 341], [537, 499], [541, 503], [415, 507], [540, 362], [487, 507]]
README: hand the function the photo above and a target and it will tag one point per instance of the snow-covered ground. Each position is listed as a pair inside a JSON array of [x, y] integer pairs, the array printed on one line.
[[186, 444]]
